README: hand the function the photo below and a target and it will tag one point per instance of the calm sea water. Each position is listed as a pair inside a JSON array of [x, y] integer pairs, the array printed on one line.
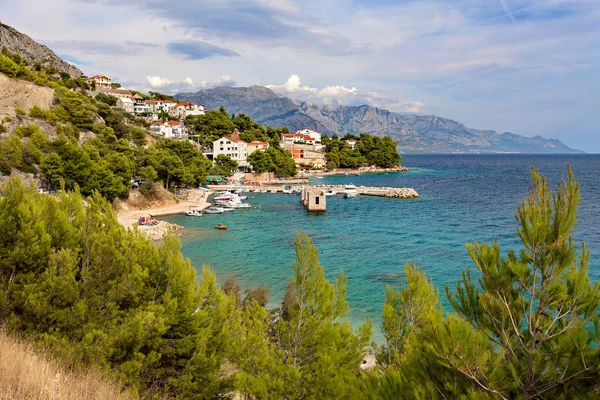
[[464, 198]]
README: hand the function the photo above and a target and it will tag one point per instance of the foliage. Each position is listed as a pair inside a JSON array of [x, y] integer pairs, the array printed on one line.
[[274, 159], [161, 96], [72, 279], [368, 149], [176, 162], [312, 352], [106, 99], [527, 330], [224, 165]]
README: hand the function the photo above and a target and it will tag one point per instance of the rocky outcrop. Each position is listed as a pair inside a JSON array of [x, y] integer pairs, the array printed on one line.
[[32, 51], [414, 133]]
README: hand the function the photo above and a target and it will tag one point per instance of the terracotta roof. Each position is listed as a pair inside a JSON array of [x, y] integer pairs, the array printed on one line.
[[233, 140], [308, 138], [288, 134], [174, 123], [258, 142]]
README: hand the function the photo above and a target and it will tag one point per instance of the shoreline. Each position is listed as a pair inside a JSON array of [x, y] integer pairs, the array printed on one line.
[[157, 229], [354, 171]]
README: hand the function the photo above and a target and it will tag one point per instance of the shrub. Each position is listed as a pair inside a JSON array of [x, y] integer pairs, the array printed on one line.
[[20, 112], [38, 112], [8, 66]]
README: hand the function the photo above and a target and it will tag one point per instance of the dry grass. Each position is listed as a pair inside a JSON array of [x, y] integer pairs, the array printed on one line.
[[139, 200], [25, 374]]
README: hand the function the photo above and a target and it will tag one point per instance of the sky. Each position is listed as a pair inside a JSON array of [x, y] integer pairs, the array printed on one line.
[[530, 67]]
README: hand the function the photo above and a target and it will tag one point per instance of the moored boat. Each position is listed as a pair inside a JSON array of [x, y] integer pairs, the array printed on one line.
[[350, 191], [214, 210], [193, 213], [221, 227], [330, 192]]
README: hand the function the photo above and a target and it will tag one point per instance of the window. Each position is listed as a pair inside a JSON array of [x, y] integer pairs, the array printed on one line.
[[221, 149], [228, 142], [228, 148], [317, 200]]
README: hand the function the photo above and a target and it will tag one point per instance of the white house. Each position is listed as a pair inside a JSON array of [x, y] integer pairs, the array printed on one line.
[[169, 129], [101, 81], [233, 147], [351, 143], [141, 108], [304, 136], [125, 103], [182, 110]]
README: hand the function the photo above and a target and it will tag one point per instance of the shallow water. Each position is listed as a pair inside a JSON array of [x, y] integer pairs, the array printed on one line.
[[463, 199]]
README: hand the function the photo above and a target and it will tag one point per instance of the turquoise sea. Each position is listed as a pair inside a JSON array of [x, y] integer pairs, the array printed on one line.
[[463, 198]]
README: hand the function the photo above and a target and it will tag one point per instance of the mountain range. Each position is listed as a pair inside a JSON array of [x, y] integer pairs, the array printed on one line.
[[414, 133]]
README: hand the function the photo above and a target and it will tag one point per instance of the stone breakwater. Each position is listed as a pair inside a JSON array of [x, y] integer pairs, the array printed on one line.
[[404, 193]]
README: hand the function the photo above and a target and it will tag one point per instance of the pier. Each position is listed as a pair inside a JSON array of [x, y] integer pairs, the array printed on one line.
[[402, 193]]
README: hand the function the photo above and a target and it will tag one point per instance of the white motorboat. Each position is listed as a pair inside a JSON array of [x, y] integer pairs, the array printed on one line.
[[193, 213], [243, 197], [287, 191], [233, 205], [274, 191], [350, 191], [330, 192], [214, 210]]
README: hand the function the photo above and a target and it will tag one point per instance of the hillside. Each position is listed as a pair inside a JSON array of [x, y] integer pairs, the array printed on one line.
[[414, 133], [19, 93], [32, 51]]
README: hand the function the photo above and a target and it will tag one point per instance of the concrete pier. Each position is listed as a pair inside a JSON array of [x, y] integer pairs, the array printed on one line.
[[313, 199]]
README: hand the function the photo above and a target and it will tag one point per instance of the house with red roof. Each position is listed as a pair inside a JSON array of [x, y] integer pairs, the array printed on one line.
[[169, 129], [183, 110]]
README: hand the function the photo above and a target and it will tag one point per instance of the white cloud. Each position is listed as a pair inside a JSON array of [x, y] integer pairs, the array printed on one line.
[[341, 95], [186, 85]]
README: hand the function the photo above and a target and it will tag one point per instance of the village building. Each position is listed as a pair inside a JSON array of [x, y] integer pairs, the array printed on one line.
[[126, 104], [257, 145], [160, 105], [351, 143], [233, 147], [183, 110], [303, 136], [169, 129], [101, 81]]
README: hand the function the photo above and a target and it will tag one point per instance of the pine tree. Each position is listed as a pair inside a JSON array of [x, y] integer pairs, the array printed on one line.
[[313, 352]]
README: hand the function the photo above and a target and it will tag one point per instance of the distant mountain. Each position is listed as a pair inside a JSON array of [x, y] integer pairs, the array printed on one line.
[[414, 133], [32, 51]]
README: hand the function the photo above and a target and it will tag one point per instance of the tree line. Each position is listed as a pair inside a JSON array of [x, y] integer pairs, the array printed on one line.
[[368, 150], [73, 280]]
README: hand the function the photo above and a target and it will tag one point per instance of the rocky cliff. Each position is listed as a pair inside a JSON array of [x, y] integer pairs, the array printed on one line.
[[32, 51], [414, 133]]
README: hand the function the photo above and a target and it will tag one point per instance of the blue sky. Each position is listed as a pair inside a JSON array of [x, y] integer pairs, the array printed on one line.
[[525, 66]]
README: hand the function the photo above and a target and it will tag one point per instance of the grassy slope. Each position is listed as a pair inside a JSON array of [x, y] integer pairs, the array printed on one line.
[[27, 374]]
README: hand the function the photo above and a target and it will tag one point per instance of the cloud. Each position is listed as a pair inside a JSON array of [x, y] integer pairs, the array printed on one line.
[[197, 50], [169, 86], [341, 95], [97, 47]]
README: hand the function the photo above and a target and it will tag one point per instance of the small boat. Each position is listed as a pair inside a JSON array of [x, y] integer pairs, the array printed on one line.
[[319, 177], [225, 209], [193, 213], [214, 210], [287, 191], [350, 191], [330, 192], [274, 191], [243, 197], [221, 227]]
